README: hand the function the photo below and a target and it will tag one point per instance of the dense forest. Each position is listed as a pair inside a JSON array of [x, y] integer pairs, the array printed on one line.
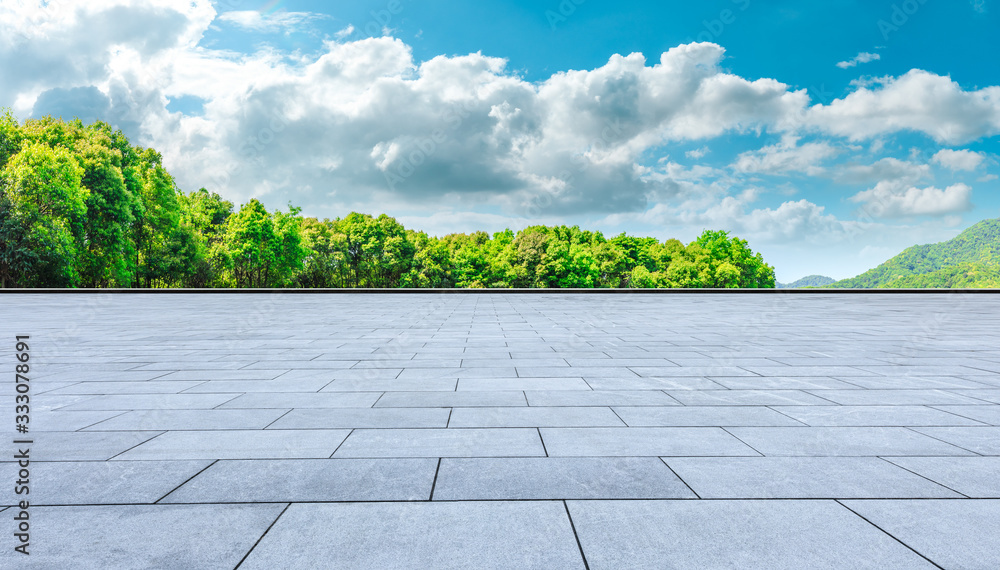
[[808, 281], [82, 207], [971, 260]]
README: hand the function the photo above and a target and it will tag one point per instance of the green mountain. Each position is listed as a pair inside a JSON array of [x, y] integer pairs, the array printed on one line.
[[810, 281], [971, 260]]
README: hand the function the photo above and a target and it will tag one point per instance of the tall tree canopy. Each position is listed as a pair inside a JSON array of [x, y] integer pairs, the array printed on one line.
[[82, 207]]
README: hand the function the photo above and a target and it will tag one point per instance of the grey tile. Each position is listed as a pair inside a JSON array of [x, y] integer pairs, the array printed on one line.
[[953, 534], [570, 372], [533, 417], [642, 441], [84, 446], [166, 420], [874, 416], [843, 441], [524, 383], [320, 400], [152, 402], [733, 534], [802, 478], [977, 477], [809, 371], [747, 398], [557, 478], [506, 442], [695, 416], [456, 373], [678, 383], [599, 398], [982, 397], [104, 482], [239, 444], [891, 397], [420, 535], [186, 536], [310, 480], [68, 421], [214, 375], [104, 388], [351, 418], [985, 414], [392, 384], [783, 383], [982, 440], [669, 372], [263, 386], [451, 399]]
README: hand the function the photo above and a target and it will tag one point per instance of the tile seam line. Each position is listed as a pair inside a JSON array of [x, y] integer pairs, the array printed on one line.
[[887, 533], [572, 527], [261, 537], [186, 481], [923, 476]]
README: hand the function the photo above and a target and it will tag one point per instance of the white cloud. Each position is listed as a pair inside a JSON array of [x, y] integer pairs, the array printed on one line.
[[886, 169], [786, 157], [979, 6], [956, 160], [258, 22], [698, 153], [918, 101], [893, 200], [863, 57]]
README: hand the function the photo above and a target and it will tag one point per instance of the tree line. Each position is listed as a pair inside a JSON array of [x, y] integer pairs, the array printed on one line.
[[82, 207]]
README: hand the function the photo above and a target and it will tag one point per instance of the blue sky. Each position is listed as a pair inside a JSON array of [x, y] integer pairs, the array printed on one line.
[[829, 135]]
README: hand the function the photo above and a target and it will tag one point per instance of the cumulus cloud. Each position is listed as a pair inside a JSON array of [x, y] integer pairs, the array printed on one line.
[[894, 200], [886, 169], [863, 57], [259, 22], [787, 157], [917, 101], [959, 160]]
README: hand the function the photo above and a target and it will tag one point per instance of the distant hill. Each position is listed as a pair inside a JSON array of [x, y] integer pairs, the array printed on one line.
[[810, 281], [971, 260]]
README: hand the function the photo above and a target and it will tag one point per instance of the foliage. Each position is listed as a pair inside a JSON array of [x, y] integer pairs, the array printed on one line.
[[808, 281], [82, 207], [977, 247]]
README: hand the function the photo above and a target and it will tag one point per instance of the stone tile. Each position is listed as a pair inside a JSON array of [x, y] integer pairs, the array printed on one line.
[[104, 482], [310, 480], [186, 536], [571, 372], [67, 421], [809, 371], [981, 440], [803, 478], [320, 400], [451, 399], [669, 372], [678, 383], [639, 441], [456, 373], [261, 386], [984, 414], [495, 384], [953, 534], [874, 416], [420, 535], [392, 384], [733, 534], [891, 397], [239, 444], [911, 382], [85, 446], [599, 398], [533, 417], [700, 416], [843, 441], [350, 418], [557, 478], [152, 402], [506, 442], [985, 396], [215, 375], [747, 398], [170, 420], [783, 383], [977, 477], [105, 388]]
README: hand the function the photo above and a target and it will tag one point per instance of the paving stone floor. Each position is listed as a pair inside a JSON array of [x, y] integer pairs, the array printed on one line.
[[507, 431]]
